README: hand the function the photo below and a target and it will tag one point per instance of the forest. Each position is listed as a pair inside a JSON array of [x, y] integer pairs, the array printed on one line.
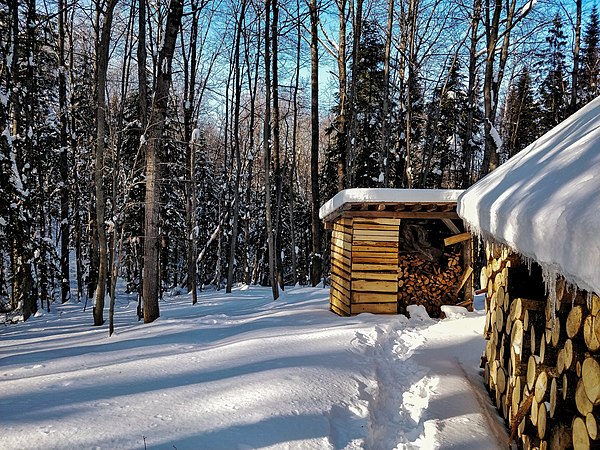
[[183, 145]]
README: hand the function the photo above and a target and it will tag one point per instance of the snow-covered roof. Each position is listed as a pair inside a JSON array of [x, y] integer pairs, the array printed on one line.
[[385, 195], [545, 201]]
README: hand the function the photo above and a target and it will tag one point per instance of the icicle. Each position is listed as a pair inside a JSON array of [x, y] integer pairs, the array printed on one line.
[[550, 274]]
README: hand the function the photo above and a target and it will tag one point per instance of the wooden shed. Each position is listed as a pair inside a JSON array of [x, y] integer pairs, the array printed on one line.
[[539, 214], [394, 247]]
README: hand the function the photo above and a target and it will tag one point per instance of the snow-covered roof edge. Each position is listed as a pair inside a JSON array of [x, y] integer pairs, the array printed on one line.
[[387, 195], [544, 203]]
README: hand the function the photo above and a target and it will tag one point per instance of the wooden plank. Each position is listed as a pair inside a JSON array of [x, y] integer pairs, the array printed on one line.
[[345, 293], [356, 275], [403, 214], [342, 247], [392, 234], [338, 311], [374, 221], [375, 248], [467, 273], [374, 286], [468, 261], [345, 221], [457, 238], [384, 246], [337, 305], [374, 238], [377, 227], [340, 297], [341, 282], [340, 251], [340, 268], [375, 308], [451, 226], [375, 267], [338, 235], [342, 228], [343, 258], [342, 244], [373, 297], [366, 258]]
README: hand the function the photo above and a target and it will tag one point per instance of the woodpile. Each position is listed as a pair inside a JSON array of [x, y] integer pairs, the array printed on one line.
[[428, 283], [542, 357]]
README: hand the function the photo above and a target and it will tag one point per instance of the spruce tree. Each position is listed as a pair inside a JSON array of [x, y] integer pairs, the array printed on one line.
[[520, 121], [590, 61], [554, 95], [368, 107]]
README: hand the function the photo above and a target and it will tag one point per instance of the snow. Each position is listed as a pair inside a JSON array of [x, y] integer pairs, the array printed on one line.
[[386, 195], [241, 371], [545, 201]]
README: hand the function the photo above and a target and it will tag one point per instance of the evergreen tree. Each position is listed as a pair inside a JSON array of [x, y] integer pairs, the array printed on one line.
[[520, 124], [368, 107], [554, 95], [590, 62], [445, 133]]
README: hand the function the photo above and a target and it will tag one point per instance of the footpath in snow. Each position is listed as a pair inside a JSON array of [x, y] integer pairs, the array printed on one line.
[[241, 371]]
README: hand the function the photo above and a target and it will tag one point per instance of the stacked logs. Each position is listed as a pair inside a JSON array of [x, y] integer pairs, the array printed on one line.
[[426, 282], [541, 362]]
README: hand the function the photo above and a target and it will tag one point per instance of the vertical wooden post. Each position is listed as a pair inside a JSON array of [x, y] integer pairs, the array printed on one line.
[[468, 262]]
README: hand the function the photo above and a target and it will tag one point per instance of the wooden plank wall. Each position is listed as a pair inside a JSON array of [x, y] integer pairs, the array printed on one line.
[[341, 264], [374, 265]]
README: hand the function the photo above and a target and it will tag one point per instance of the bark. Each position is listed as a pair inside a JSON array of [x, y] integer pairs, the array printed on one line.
[[267, 153], [471, 97], [156, 124], [292, 177], [101, 71], [190, 212], [236, 147], [411, 61], [385, 126], [342, 133], [315, 272], [357, 19], [63, 159], [276, 143]]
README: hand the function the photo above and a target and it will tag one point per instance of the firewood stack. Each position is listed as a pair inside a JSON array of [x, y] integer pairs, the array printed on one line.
[[541, 362], [426, 282]]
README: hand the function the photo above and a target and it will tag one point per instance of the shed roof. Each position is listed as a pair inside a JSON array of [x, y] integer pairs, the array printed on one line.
[[389, 200], [545, 201]]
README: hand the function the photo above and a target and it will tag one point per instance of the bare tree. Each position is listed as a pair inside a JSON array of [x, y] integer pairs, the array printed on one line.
[[102, 55], [156, 124], [236, 145], [267, 153], [316, 259]]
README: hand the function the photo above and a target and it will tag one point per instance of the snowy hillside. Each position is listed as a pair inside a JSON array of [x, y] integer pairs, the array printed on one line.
[[240, 371]]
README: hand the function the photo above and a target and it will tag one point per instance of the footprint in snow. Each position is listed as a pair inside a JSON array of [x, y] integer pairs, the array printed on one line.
[[35, 366], [166, 418]]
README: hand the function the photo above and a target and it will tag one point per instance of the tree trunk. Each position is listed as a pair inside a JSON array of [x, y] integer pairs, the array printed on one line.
[[316, 258], [276, 143], [236, 147], [267, 153], [190, 138], [467, 171], [155, 134], [101, 71], [63, 160], [384, 164], [342, 133]]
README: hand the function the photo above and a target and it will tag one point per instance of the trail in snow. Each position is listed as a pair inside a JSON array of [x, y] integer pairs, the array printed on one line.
[[240, 371]]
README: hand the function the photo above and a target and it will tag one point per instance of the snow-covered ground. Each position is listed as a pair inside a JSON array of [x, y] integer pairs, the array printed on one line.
[[241, 371]]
